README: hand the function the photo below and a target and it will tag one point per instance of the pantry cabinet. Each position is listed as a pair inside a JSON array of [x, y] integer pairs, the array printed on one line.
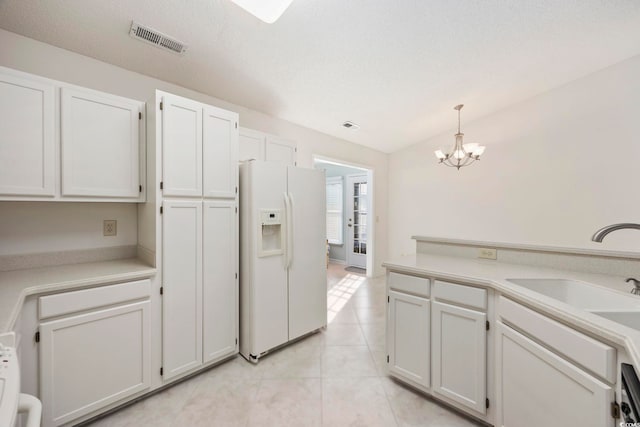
[[280, 150], [27, 137], [181, 146], [95, 349], [199, 234], [100, 144], [220, 297]]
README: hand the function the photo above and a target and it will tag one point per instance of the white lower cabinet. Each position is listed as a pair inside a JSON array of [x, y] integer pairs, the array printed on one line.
[[459, 354], [537, 388], [91, 358], [408, 337], [181, 287], [199, 285], [220, 281]]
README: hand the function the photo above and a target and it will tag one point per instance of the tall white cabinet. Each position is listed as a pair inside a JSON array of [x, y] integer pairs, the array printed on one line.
[[199, 158]]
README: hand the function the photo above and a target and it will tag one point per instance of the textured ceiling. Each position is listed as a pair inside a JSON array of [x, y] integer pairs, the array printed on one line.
[[395, 67]]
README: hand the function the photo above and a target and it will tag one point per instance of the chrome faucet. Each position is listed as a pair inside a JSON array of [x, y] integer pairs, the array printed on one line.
[[599, 235]]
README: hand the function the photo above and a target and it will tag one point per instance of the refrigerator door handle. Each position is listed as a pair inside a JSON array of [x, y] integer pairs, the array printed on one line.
[[285, 232], [290, 231]]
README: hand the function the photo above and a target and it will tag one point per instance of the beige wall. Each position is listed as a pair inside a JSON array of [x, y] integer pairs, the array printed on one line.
[[31, 56], [557, 167]]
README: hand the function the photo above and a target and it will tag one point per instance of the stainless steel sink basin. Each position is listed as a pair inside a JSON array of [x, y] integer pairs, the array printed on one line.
[[582, 295]]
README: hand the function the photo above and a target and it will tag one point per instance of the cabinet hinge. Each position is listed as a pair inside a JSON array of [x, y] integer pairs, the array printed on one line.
[[486, 403], [160, 210], [615, 410], [236, 275], [38, 336], [388, 298], [140, 188], [139, 116], [236, 209], [236, 189], [236, 341], [487, 325], [161, 371], [295, 163], [161, 185], [387, 358], [236, 125], [161, 105], [161, 290], [295, 149]]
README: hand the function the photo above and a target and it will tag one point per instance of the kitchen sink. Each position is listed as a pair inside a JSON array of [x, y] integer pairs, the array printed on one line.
[[627, 318], [585, 296]]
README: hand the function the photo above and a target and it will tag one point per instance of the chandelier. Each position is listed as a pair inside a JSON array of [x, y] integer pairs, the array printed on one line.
[[461, 154]]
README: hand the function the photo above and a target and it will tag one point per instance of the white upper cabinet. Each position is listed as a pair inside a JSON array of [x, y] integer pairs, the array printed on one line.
[[219, 152], [100, 141], [280, 151], [181, 146], [261, 146], [27, 137], [251, 145]]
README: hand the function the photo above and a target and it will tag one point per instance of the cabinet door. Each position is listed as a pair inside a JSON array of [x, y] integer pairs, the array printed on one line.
[[459, 340], [27, 137], [182, 287], [251, 145], [181, 146], [220, 153], [408, 337], [280, 150], [538, 388], [220, 280], [91, 360], [100, 144]]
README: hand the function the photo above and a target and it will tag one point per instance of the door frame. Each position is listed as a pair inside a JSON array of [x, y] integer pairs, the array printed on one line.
[[370, 171]]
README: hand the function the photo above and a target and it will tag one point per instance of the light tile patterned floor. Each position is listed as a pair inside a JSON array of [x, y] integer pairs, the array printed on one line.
[[333, 378]]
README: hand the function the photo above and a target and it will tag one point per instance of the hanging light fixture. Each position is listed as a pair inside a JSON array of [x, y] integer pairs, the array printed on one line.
[[461, 154], [266, 10]]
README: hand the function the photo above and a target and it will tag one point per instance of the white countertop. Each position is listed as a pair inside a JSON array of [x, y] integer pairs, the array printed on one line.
[[16, 285], [493, 274]]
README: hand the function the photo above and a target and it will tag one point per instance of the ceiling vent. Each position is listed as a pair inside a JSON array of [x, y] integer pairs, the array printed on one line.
[[351, 125], [156, 38]]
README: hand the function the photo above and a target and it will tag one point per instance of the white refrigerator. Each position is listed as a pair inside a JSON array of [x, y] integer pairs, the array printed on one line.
[[283, 283]]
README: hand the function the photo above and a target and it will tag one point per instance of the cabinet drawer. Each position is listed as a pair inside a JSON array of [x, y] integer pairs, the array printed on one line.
[[593, 355], [87, 299], [460, 294], [410, 284]]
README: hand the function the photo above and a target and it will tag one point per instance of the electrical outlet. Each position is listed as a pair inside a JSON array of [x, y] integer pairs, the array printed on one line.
[[109, 227], [488, 253]]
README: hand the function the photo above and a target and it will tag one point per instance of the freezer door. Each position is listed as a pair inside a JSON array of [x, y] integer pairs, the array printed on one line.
[[266, 313], [307, 251]]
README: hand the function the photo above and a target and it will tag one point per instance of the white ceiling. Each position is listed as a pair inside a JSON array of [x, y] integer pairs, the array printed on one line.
[[395, 67]]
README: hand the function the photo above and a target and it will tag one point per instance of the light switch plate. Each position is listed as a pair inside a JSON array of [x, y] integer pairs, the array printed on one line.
[[488, 253], [110, 227]]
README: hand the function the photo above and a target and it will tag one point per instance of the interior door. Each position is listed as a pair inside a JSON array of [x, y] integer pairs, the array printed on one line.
[[357, 220], [307, 251]]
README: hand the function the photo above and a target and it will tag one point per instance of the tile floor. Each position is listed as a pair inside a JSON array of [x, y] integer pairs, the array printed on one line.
[[333, 378]]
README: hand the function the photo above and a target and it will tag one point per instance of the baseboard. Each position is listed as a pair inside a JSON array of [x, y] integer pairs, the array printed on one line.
[[337, 261]]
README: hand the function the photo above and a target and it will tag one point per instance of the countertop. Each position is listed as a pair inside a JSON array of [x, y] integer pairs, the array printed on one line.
[[494, 274], [17, 285]]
